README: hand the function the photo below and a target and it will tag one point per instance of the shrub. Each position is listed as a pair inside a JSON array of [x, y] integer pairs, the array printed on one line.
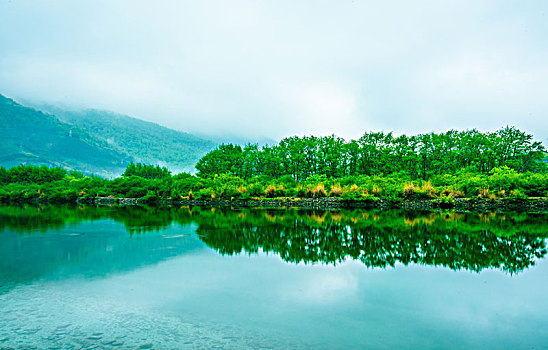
[[256, 190], [451, 192], [354, 193], [483, 193], [352, 196], [517, 194], [270, 191], [280, 191], [205, 193], [376, 191], [319, 191], [447, 202], [427, 190], [228, 192], [300, 191], [137, 192], [151, 196], [336, 191], [409, 191]]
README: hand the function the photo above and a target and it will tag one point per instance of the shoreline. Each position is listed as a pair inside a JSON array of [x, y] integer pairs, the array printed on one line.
[[327, 203], [503, 204]]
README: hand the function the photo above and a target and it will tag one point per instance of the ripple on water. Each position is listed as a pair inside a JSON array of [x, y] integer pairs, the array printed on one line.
[[64, 319]]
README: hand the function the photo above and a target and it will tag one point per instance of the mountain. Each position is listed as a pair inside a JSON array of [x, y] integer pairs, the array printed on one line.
[[137, 139], [31, 136]]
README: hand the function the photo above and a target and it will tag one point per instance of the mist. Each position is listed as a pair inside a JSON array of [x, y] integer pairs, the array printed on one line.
[[272, 69]]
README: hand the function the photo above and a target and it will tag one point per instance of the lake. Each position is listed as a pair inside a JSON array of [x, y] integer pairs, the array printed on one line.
[[172, 278]]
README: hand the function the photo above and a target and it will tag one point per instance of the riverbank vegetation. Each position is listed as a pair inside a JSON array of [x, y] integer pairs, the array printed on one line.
[[504, 164]]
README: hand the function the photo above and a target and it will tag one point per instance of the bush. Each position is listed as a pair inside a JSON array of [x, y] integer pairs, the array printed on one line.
[[205, 193], [300, 191], [137, 192], [316, 192], [517, 194], [485, 194], [354, 193], [256, 190], [58, 195], [270, 191], [375, 191], [451, 192], [409, 191], [336, 191], [428, 191], [447, 202], [151, 196], [229, 192], [352, 196]]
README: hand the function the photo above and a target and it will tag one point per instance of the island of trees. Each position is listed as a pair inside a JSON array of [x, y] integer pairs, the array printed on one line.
[[507, 163]]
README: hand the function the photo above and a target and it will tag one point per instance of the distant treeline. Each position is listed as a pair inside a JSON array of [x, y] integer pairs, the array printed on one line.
[[380, 154], [377, 166]]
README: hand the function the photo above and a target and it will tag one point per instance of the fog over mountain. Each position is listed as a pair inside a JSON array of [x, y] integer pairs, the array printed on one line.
[[272, 69], [91, 141]]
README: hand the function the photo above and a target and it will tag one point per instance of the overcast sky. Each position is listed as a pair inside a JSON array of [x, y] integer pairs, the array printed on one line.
[[280, 68]]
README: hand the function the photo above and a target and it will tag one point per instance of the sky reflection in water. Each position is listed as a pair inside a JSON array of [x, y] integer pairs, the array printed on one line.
[[180, 277]]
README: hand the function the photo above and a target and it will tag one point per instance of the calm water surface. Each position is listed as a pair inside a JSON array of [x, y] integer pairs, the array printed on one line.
[[171, 278]]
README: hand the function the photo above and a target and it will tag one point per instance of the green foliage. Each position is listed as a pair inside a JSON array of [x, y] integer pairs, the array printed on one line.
[[317, 191], [426, 156], [518, 195], [146, 171], [205, 193], [151, 196], [225, 159], [447, 202], [31, 174], [151, 183], [352, 196]]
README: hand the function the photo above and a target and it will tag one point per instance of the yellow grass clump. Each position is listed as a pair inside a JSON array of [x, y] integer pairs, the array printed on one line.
[[336, 191]]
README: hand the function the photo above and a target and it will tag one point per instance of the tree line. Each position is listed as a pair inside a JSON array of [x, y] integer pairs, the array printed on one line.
[[444, 166], [380, 154]]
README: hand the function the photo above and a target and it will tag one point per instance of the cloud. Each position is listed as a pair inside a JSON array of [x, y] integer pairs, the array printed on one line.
[[322, 107], [279, 68]]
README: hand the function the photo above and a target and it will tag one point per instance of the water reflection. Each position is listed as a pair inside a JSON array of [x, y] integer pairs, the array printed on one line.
[[85, 236], [146, 277], [472, 241]]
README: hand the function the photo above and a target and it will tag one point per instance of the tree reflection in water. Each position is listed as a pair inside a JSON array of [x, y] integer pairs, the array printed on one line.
[[472, 241]]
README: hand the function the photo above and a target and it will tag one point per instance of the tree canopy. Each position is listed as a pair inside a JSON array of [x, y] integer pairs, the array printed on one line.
[[146, 171], [379, 154]]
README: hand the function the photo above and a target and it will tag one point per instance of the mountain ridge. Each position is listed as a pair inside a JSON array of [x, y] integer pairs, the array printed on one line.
[[144, 141], [91, 140], [31, 136]]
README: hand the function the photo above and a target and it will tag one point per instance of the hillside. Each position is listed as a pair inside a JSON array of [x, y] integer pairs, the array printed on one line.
[[31, 136], [137, 139]]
